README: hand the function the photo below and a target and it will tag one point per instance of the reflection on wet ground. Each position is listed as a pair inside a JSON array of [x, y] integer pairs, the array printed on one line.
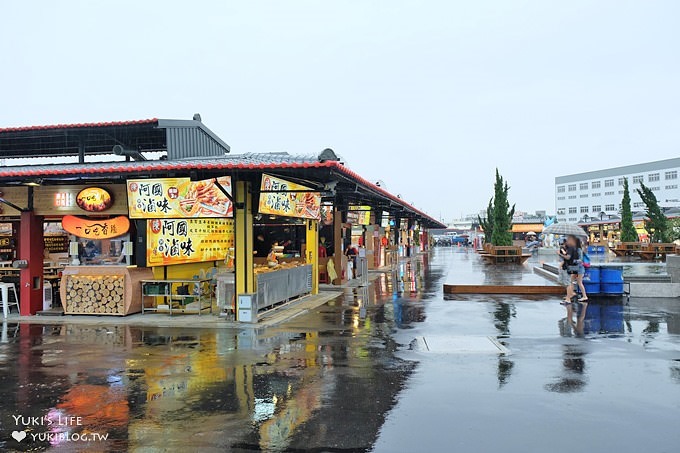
[[346, 377]]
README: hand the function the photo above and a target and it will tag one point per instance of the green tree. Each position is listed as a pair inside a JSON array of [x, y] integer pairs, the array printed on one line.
[[487, 222], [502, 213], [628, 233], [656, 222], [674, 229]]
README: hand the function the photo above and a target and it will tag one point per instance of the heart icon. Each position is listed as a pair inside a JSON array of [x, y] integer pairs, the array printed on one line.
[[19, 435]]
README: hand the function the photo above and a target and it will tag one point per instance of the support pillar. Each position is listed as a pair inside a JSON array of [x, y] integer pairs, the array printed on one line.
[[243, 219], [409, 237], [312, 241], [31, 249], [337, 245], [397, 232]]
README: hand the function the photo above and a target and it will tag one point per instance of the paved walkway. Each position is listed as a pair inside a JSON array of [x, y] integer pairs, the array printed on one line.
[[270, 318]]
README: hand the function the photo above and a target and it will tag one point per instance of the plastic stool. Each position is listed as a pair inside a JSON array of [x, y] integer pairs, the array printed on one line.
[[4, 293]]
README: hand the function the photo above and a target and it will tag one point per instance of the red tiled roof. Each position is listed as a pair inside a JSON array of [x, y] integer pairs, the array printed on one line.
[[243, 162], [79, 125], [382, 191]]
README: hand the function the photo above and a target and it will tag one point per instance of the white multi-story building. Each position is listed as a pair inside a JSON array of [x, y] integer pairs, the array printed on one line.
[[595, 192]]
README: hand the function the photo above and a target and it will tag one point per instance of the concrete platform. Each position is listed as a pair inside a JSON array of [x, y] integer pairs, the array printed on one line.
[[504, 289], [273, 317]]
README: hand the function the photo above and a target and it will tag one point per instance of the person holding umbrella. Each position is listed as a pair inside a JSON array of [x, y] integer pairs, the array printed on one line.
[[573, 257]]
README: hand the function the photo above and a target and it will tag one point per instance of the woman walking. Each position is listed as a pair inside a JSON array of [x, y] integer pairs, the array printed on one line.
[[572, 254]]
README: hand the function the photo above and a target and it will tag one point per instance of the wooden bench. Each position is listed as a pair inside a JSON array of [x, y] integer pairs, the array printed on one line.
[[504, 289], [504, 254], [627, 248], [651, 251]]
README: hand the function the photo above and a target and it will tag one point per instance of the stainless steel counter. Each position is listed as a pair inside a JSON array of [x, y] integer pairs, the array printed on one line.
[[282, 285]]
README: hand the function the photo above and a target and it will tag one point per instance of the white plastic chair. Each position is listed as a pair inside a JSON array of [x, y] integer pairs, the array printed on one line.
[[4, 293]]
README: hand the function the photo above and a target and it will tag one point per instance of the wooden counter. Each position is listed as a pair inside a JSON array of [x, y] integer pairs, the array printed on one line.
[[102, 290]]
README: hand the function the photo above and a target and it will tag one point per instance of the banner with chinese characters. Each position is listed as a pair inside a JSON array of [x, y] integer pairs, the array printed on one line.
[[288, 199], [178, 241], [359, 215], [95, 228], [179, 198]]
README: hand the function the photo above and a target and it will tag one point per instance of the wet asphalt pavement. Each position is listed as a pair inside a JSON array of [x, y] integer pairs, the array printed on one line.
[[389, 368]]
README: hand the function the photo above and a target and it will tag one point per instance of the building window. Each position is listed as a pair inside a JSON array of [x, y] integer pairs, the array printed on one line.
[[655, 189], [572, 210], [572, 187], [572, 219], [609, 207], [596, 194], [572, 197], [560, 211], [620, 206], [653, 177], [621, 181], [608, 194], [584, 209], [671, 187], [609, 183], [595, 185], [671, 174], [560, 198], [585, 195], [638, 179], [560, 189], [583, 186], [597, 208], [638, 204], [620, 192]]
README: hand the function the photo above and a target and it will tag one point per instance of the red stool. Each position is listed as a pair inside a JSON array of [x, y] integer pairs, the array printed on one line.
[[323, 268]]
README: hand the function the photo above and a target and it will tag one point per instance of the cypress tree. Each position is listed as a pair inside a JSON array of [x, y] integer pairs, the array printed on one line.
[[656, 223], [487, 222], [628, 233], [502, 213]]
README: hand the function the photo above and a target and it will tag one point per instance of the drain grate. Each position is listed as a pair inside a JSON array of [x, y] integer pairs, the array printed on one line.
[[463, 344]]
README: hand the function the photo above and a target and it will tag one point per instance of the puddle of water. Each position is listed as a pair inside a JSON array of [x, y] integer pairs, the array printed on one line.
[[331, 378]]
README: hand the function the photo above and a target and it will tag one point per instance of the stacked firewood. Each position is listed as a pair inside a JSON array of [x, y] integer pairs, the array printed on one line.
[[95, 294]]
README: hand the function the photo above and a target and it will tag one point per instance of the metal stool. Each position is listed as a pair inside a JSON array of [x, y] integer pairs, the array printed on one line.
[[6, 304]]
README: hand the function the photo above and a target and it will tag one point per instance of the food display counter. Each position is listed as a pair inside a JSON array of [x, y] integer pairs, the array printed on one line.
[[282, 283], [102, 290]]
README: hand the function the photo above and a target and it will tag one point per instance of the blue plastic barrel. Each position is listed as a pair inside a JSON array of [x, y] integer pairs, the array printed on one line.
[[591, 280], [611, 280], [592, 249], [600, 249]]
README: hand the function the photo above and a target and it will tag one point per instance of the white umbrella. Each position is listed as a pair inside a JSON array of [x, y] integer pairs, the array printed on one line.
[[565, 229]]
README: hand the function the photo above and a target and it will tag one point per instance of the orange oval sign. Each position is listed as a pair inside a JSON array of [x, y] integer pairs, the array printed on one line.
[[96, 228], [94, 199]]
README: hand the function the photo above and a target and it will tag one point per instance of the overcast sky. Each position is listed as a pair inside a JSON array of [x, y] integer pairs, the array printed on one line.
[[429, 96]]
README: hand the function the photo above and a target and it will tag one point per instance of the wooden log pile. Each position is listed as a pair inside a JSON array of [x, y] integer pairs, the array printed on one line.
[[101, 294]]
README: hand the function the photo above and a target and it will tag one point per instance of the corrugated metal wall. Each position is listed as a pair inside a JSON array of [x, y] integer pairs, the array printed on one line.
[[184, 142]]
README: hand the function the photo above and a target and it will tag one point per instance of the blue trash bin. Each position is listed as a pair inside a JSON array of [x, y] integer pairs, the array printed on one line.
[[611, 280], [591, 280]]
